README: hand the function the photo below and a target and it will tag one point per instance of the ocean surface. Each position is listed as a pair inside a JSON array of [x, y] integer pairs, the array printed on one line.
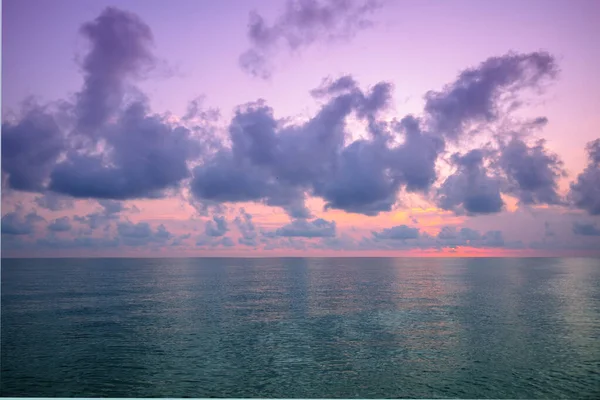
[[311, 328]]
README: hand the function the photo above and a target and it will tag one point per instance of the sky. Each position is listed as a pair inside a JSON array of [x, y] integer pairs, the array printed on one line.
[[148, 128]]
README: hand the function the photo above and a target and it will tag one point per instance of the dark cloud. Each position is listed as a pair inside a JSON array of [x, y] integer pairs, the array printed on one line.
[[309, 229], [111, 206], [585, 191], [216, 227], [478, 93], [532, 171], [529, 172], [247, 229], [110, 212], [90, 243], [585, 229], [279, 165], [335, 87], [131, 230], [197, 113], [227, 242], [116, 149], [401, 232], [450, 233], [14, 223], [270, 163], [593, 150], [368, 174], [62, 224], [30, 148], [403, 237], [203, 241], [415, 159], [360, 183], [146, 156], [450, 237], [120, 49], [95, 220], [53, 202], [400, 237], [162, 233], [302, 23], [493, 239], [538, 122], [471, 189], [179, 240], [141, 234]]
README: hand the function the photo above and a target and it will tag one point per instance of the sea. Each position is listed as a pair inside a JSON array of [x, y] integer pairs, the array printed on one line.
[[301, 328]]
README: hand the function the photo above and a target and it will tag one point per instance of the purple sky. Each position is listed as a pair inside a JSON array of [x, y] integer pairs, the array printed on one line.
[[281, 180]]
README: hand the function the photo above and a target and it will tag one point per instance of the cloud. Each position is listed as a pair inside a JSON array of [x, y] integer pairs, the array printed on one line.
[[216, 227], [470, 189], [203, 241], [54, 202], [335, 87], [145, 156], [529, 172], [450, 233], [95, 220], [227, 242], [61, 224], [179, 240], [401, 232], [247, 229], [14, 223], [478, 93], [141, 234], [451, 237], [30, 148], [107, 146], [279, 165], [532, 171], [302, 24], [308, 229], [585, 229], [401, 237], [91, 243], [120, 49], [593, 149], [359, 183], [585, 191], [415, 159], [111, 206], [111, 210]]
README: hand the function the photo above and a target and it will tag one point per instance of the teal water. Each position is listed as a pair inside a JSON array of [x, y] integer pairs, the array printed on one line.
[[326, 328]]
